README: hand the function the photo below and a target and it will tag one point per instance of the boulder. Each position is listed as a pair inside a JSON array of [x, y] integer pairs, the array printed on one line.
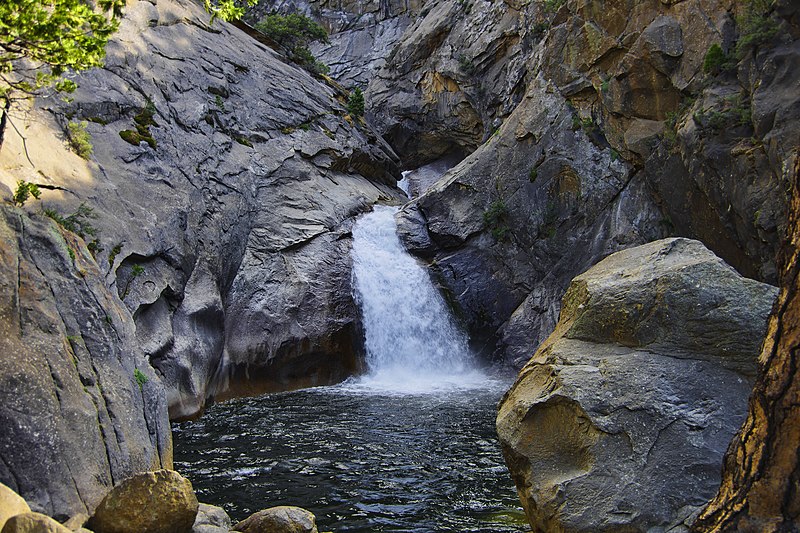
[[620, 420], [156, 502], [282, 519], [33, 523], [211, 519], [11, 504]]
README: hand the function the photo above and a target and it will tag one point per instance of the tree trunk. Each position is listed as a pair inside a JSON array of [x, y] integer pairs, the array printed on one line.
[[761, 469]]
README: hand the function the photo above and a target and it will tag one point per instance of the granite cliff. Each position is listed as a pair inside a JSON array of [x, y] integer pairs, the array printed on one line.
[[222, 186]]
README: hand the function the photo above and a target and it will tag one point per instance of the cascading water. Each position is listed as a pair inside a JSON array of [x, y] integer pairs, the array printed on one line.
[[412, 342]]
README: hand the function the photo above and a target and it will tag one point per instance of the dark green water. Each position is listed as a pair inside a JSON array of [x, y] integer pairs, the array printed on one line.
[[360, 459]]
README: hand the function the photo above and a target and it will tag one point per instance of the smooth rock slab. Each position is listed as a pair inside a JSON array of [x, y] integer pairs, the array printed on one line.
[[33, 523], [11, 504], [282, 519], [152, 502], [620, 420]]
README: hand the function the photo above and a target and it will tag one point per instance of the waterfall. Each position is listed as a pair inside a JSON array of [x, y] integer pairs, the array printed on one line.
[[412, 342]]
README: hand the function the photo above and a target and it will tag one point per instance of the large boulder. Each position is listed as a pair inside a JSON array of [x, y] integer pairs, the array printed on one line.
[[156, 502], [11, 504], [282, 519], [620, 420]]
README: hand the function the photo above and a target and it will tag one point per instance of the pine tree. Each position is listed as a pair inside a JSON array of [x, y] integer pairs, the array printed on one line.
[[43, 40], [355, 104]]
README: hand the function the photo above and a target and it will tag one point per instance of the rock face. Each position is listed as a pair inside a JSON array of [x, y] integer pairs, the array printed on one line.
[[74, 418], [620, 420], [607, 134], [156, 502], [283, 519], [362, 33], [11, 504], [225, 183]]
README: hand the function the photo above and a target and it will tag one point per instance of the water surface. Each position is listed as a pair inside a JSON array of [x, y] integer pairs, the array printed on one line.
[[359, 459]]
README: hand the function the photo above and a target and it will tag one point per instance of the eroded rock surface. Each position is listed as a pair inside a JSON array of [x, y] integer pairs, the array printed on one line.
[[621, 418], [225, 183]]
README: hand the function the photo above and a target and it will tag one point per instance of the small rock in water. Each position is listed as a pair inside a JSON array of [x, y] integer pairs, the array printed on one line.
[[211, 519], [283, 519], [156, 502], [11, 504], [33, 523]]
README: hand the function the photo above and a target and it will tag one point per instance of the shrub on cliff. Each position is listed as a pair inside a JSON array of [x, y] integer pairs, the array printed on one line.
[[293, 33], [355, 103]]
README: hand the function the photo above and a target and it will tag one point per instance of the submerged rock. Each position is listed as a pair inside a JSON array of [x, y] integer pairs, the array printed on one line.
[[621, 418], [282, 519], [155, 502]]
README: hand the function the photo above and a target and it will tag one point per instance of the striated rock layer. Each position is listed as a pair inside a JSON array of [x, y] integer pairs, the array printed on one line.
[[620, 420]]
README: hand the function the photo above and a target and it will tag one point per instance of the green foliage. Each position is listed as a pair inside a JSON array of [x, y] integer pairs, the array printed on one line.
[[24, 191], [140, 378], [142, 120], [53, 37], [227, 9], [79, 223], [80, 139], [137, 270], [756, 26], [735, 111], [112, 255], [466, 65], [716, 60], [495, 219], [539, 29], [552, 6], [293, 33], [355, 103], [219, 102], [533, 174]]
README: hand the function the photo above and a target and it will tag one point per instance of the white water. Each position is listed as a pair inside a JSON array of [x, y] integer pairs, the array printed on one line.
[[412, 343]]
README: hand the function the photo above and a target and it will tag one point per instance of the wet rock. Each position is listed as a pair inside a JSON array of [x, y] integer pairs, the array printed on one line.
[[283, 519], [621, 418], [33, 523], [157, 502], [211, 519], [11, 504]]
